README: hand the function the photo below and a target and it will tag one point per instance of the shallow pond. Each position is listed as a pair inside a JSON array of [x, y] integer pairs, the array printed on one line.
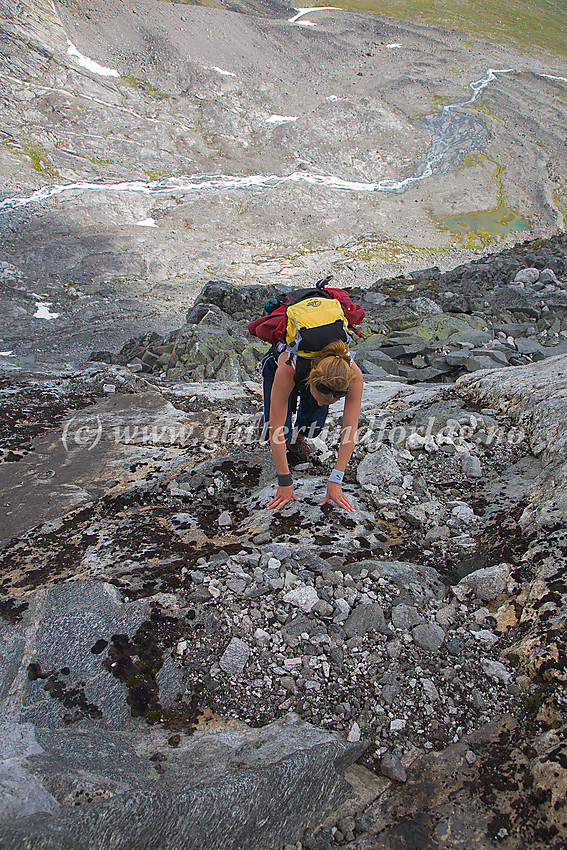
[[496, 222]]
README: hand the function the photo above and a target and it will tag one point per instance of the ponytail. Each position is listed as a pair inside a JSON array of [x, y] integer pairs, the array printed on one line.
[[332, 366]]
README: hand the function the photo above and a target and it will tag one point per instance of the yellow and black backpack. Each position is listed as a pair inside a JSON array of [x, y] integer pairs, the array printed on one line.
[[307, 320]]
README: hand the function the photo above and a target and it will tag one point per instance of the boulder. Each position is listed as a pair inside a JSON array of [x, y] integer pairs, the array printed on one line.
[[417, 583], [366, 618], [379, 469], [526, 276], [428, 636], [485, 584], [235, 300]]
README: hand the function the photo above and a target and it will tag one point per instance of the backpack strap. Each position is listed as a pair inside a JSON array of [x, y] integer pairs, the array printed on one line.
[[302, 369]]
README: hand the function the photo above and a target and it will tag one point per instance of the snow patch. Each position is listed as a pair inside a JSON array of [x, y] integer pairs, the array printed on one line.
[[551, 77], [281, 119], [394, 44], [223, 72], [301, 11], [43, 311], [90, 64], [147, 222]]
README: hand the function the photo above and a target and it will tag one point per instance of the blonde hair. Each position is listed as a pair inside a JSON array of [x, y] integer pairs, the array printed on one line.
[[332, 367]]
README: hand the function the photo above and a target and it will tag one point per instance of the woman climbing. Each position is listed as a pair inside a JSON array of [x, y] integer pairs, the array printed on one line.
[[317, 382]]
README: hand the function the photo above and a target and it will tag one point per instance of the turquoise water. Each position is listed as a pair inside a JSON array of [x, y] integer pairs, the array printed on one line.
[[496, 222], [537, 25]]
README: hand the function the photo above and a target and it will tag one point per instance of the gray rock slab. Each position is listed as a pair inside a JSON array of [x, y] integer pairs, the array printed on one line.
[[234, 658], [497, 355], [428, 373], [304, 597], [367, 351], [211, 390], [458, 358], [378, 469], [232, 789], [468, 335], [428, 636], [526, 276], [487, 583], [534, 395], [225, 519], [57, 632], [426, 306], [417, 583], [374, 298], [227, 790], [379, 373], [512, 486], [391, 766], [439, 362], [394, 348], [310, 560], [529, 346], [366, 618], [22, 794], [378, 393], [405, 616], [547, 276], [471, 466], [434, 416]]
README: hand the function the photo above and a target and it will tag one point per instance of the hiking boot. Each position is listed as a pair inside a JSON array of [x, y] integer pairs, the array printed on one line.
[[300, 449]]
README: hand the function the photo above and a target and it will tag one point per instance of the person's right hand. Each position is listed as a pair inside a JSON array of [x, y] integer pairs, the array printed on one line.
[[282, 497]]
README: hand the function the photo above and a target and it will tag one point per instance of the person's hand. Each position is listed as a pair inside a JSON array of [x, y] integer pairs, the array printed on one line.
[[282, 497], [335, 494]]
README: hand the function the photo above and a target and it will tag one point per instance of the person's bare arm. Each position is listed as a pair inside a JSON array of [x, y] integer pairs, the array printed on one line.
[[284, 380], [351, 414]]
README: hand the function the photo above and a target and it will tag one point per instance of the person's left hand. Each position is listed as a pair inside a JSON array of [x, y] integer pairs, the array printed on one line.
[[335, 494]]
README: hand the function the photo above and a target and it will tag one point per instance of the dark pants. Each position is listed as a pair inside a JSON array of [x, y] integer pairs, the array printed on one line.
[[310, 416]]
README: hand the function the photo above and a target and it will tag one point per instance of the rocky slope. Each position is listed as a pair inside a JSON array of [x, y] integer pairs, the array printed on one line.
[[426, 629], [145, 150], [507, 309]]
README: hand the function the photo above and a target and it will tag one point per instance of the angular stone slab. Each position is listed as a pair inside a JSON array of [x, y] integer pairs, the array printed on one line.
[[229, 790]]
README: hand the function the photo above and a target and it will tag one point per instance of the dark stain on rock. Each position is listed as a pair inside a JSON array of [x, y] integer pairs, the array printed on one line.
[[35, 672], [281, 525], [70, 696], [12, 610]]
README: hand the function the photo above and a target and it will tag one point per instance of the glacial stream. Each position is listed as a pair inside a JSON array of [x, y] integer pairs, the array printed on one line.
[[454, 134]]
